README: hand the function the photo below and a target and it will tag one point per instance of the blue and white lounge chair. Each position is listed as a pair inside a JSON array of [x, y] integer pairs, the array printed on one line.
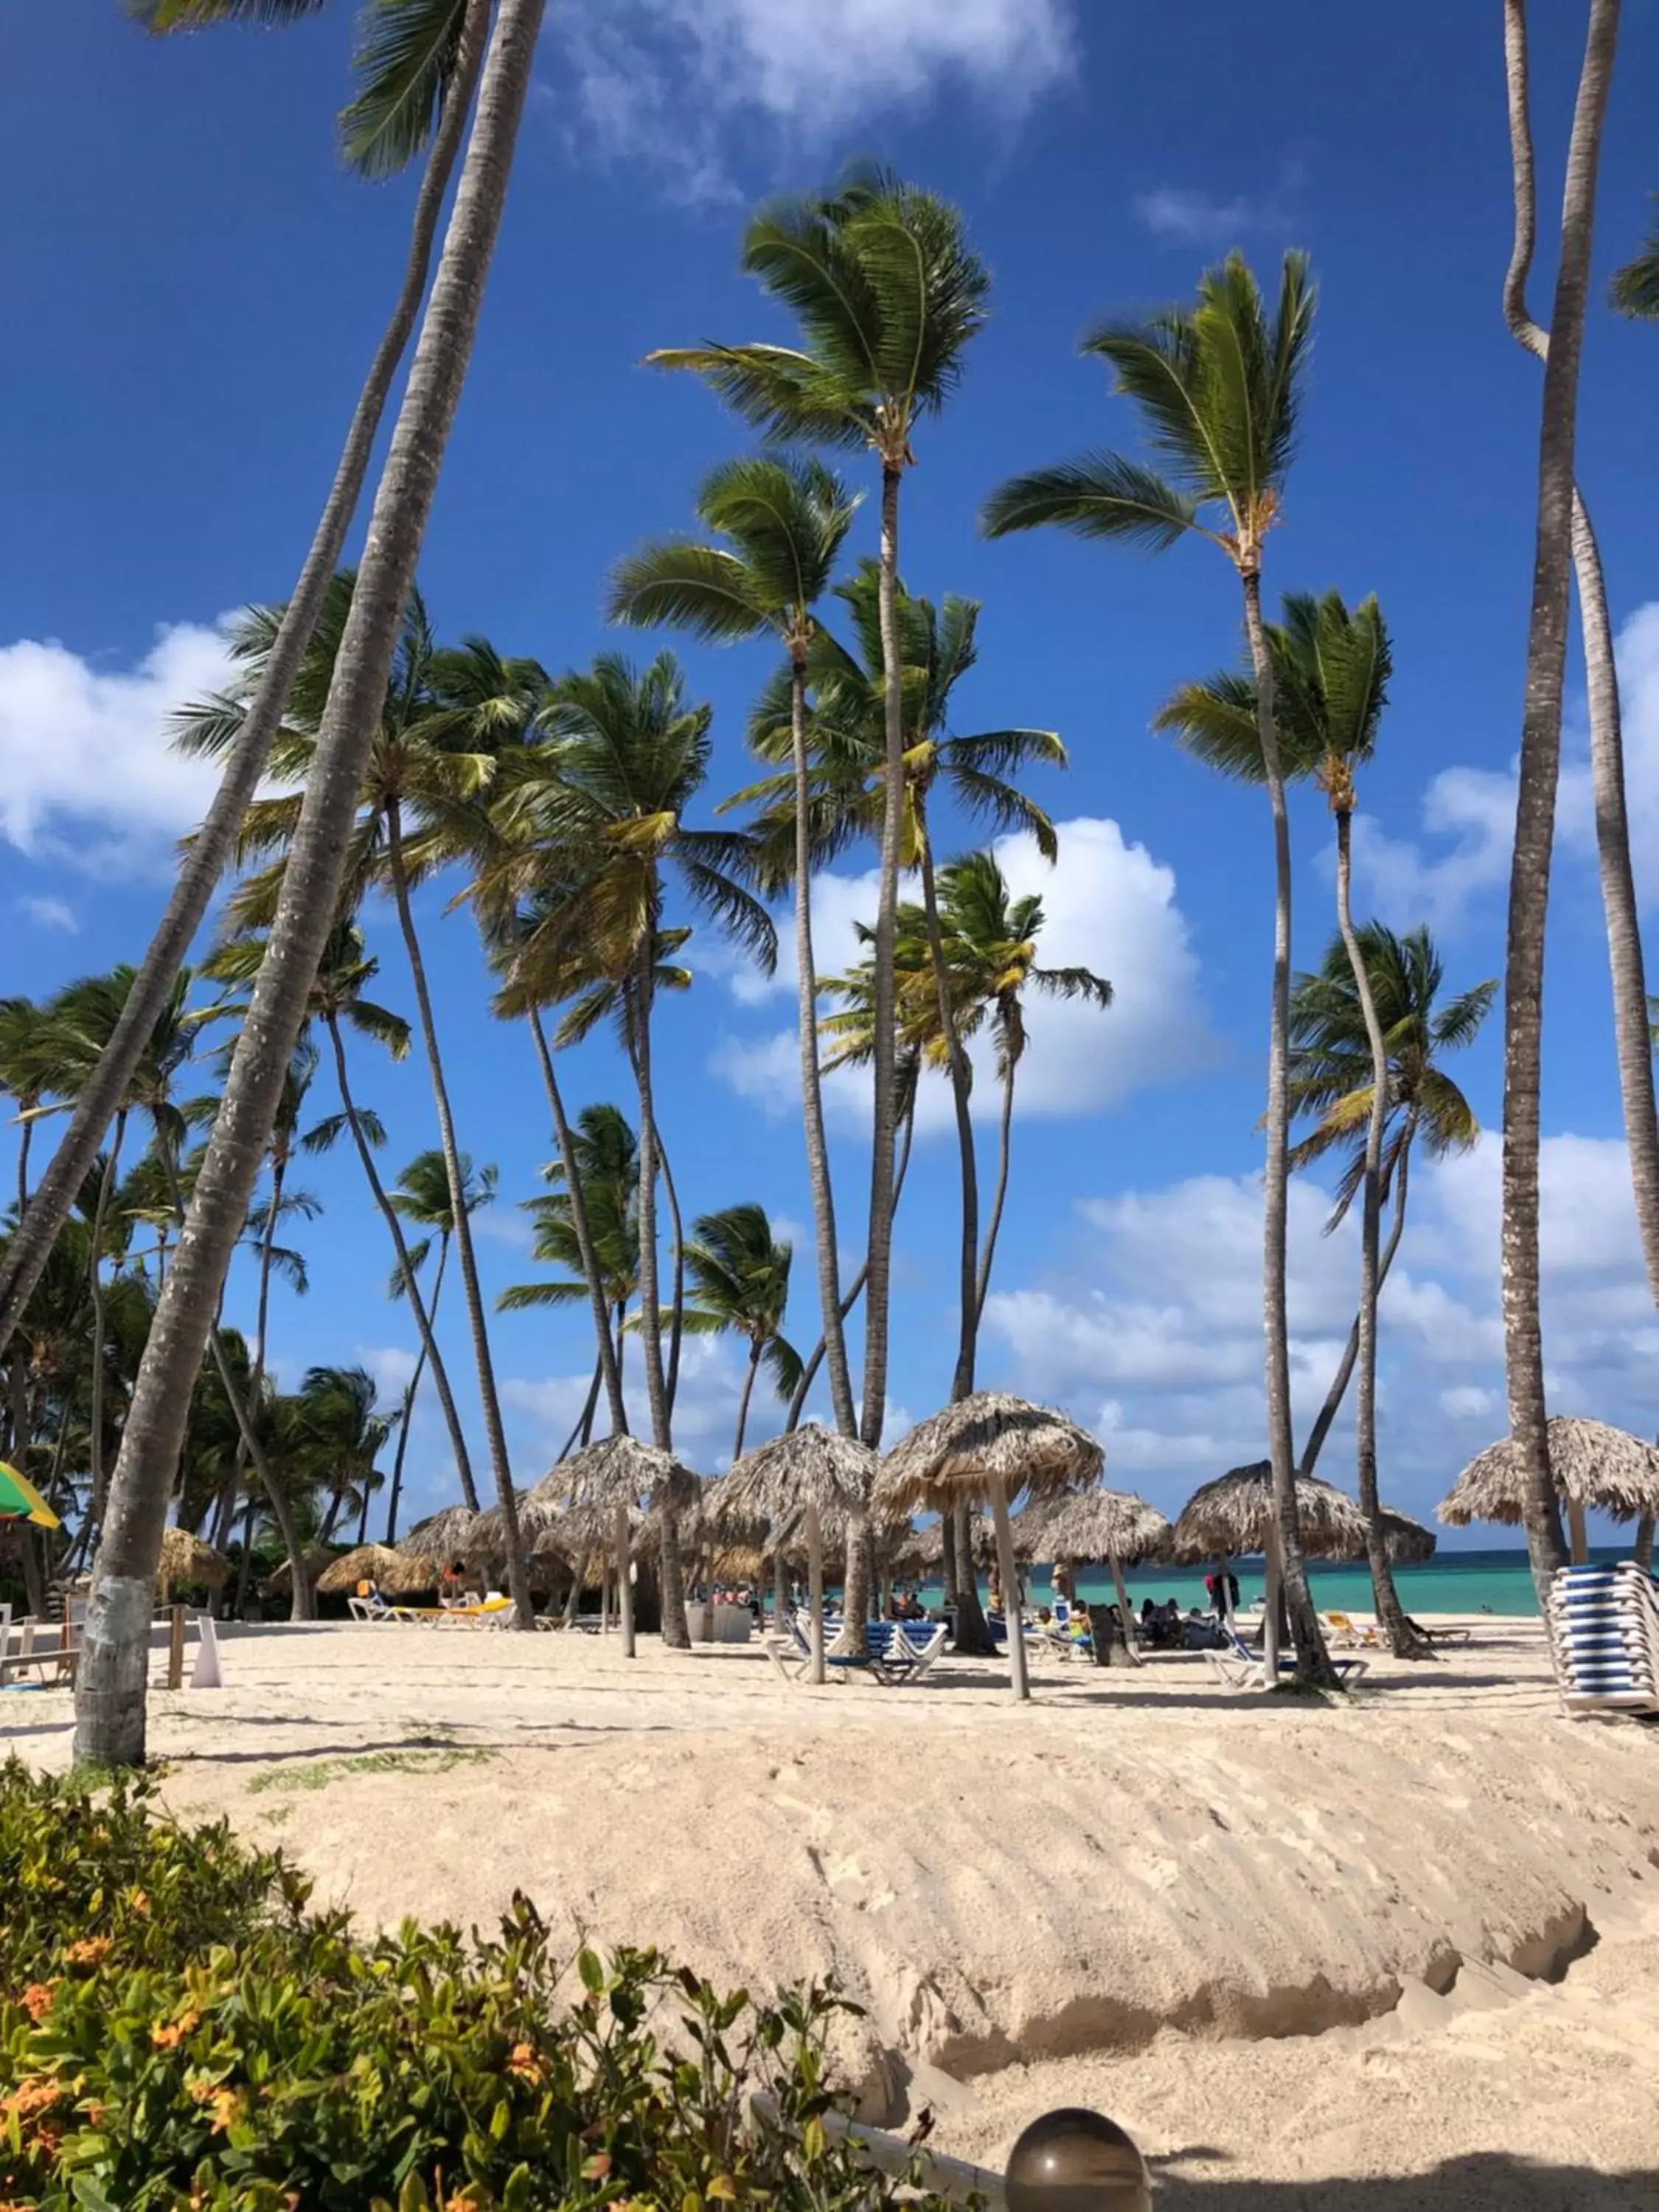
[[1241, 1668]]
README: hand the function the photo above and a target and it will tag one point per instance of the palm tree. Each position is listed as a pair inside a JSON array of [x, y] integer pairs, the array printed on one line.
[[888, 294], [1331, 1076], [626, 756], [606, 1156], [785, 523], [1635, 286], [1331, 669], [420, 772], [341, 1436], [1218, 386], [1534, 819], [422, 1196], [25, 1073], [1629, 976], [414, 90], [740, 1276]]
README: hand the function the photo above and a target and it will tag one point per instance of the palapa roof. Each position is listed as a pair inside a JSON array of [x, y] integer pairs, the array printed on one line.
[[811, 1466], [1604, 1469], [1102, 1524], [316, 1556], [443, 1535], [589, 1526], [186, 1559], [1233, 1515], [398, 1573], [954, 1456], [618, 1471], [1407, 1543], [981, 1534]]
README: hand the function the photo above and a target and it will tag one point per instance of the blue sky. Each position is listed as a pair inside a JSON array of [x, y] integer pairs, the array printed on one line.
[[195, 288]]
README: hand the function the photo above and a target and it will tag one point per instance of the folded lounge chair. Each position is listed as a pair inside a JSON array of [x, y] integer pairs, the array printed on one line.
[[1604, 1639], [1241, 1668]]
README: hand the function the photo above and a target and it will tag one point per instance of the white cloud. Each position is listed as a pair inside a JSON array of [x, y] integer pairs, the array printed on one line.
[[392, 1366], [1161, 1341], [667, 82], [52, 914], [86, 773], [1186, 216], [1107, 905], [1462, 855]]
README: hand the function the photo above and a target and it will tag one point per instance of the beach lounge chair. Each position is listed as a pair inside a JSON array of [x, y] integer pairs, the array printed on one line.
[[792, 1654], [1604, 1639], [1241, 1668], [1347, 1631]]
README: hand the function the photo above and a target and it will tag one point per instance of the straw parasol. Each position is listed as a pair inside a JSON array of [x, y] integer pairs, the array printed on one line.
[[399, 1574], [1113, 1525], [1407, 1543], [811, 1473], [444, 1536], [1596, 1468], [280, 1580], [186, 1559], [986, 1448], [618, 1473], [1235, 1515]]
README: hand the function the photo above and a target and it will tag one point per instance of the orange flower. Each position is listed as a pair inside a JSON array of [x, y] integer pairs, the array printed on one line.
[[525, 2064], [227, 2109], [37, 1999], [169, 2038], [140, 1902], [88, 1951]]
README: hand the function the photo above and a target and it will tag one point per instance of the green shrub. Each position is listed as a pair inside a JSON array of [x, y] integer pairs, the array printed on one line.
[[177, 2030]]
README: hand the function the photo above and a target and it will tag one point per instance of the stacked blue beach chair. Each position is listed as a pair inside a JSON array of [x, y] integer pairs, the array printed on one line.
[[1604, 1639]]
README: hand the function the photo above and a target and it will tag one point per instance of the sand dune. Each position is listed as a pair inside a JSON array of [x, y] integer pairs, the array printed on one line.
[[1313, 1943]]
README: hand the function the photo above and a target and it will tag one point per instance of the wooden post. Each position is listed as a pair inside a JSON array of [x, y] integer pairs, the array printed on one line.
[[815, 1583], [1578, 1534], [625, 1585], [1009, 1572], [175, 1647], [1131, 1643]]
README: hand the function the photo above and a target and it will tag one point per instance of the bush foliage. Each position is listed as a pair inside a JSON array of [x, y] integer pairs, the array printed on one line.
[[177, 2029]]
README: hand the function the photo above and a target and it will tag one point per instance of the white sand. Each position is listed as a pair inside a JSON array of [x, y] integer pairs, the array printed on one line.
[[1285, 1944]]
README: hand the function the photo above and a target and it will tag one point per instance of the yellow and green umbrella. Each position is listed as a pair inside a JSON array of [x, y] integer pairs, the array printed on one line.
[[21, 1501]]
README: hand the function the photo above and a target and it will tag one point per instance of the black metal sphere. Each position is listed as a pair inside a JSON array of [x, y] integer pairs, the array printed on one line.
[[1075, 2161]]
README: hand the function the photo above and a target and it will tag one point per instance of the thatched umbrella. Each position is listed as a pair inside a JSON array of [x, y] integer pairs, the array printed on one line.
[[1595, 1467], [1113, 1525], [280, 1581], [186, 1559], [988, 1448], [622, 1473], [444, 1536], [1236, 1513], [1407, 1543], [811, 1473], [399, 1574]]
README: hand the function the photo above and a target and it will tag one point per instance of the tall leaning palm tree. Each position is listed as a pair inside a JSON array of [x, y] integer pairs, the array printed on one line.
[[625, 758], [1625, 960], [1331, 669], [1218, 387], [783, 524], [1535, 818], [740, 1278], [887, 294], [418, 69], [110, 1689], [423, 1197], [1333, 1077]]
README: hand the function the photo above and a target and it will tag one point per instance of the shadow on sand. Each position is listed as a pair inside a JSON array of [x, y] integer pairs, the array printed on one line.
[[1485, 2182]]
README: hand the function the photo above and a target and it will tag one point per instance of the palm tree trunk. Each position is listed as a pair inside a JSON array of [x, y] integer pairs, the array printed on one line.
[[1005, 1148], [23, 1144], [582, 1433], [1534, 823], [676, 1631], [833, 1344], [1010, 1608], [303, 1604], [1642, 1549], [411, 1394], [99, 1217], [883, 1058], [518, 1575], [677, 1305], [747, 1392], [960, 1076], [111, 1683], [210, 850], [1630, 989], [1313, 1660], [855, 1289], [1403, 1640], [973, 1636], [592, 1273], [423, 1318], [1340, 1381]]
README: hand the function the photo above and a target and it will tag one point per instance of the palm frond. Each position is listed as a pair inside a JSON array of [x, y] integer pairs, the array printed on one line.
[[1101, 495], [404, 55]]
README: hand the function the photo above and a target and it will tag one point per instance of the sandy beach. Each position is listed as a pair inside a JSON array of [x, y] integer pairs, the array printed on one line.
[[1392, 1954]]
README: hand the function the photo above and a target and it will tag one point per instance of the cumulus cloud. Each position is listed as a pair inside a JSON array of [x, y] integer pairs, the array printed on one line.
[[86, 777], [666, 82], [1182, 216], [545, 1409], [52, 914], [1159, 1343], [1107, 905], [1461, 855]]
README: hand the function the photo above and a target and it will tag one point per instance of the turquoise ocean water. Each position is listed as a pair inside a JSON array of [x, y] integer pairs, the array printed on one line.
[[1496, 1582]]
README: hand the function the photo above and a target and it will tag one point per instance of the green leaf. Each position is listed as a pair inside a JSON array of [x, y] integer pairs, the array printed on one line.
[[591, 1969]]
